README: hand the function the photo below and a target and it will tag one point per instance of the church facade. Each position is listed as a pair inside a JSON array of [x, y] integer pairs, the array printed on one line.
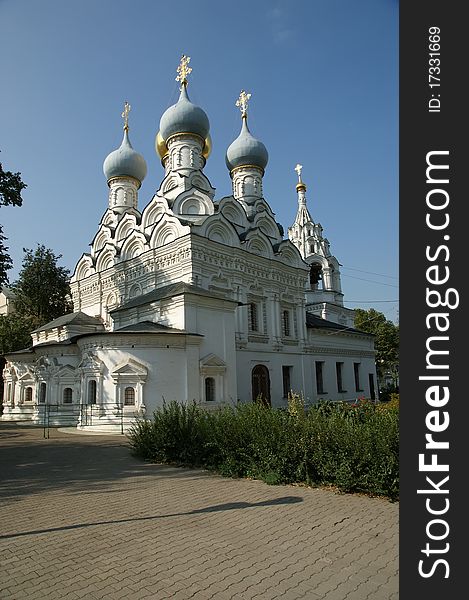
[[192, 298]]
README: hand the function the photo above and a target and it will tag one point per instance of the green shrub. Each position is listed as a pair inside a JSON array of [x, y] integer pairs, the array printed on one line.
[[353, 447]]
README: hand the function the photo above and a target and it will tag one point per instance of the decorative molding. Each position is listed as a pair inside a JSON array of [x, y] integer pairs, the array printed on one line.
[[339, 351]]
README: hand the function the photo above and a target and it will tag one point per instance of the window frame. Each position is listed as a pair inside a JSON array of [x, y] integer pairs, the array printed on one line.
[[129, 388], [319, 367], [64, 394], [42, 392], [92, 397], [253, 317], [28, 390], [286, 379], [356, 374], [210, 389], [339, 372], [286, 323]]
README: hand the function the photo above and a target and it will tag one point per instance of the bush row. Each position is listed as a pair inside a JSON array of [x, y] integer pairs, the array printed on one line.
[[353, 447]]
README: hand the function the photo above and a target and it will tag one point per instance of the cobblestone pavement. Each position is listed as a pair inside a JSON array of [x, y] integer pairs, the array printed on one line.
[[81, 518]]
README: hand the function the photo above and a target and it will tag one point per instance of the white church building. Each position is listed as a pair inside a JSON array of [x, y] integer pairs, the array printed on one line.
[[192, 298]]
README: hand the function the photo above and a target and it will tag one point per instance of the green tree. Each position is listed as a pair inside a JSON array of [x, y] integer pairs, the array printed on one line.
[[42, 289], [386, 342], [14, 333], [11, 187]]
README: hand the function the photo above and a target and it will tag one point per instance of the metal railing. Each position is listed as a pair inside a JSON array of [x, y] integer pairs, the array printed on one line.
[[87, 415], [92, 412]]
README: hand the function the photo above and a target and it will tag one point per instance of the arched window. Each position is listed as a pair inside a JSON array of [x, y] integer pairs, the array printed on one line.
[[209, 389], [42, 393], [92, 391], [67, 395], [286, 323], [129, 396], [28, 394]]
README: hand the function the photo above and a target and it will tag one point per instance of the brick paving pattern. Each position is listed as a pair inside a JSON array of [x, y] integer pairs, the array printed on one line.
[[81, 518]]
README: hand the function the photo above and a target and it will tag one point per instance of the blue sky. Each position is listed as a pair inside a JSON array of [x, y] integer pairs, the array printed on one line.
[[323, 75]]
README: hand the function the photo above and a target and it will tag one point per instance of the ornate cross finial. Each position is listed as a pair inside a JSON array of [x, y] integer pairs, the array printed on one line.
[[242, 102], [125, 115], [298, 170], [183, 69]]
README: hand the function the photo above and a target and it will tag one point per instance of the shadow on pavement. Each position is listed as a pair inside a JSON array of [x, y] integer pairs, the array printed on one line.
[[208, 509], [31, 464]]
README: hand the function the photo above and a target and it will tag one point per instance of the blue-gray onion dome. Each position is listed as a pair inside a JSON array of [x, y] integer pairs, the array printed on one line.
[[125, 161], [246, 150], [184, 117]]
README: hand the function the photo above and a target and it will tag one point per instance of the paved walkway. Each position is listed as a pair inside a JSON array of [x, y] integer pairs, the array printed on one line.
[[81, 518]]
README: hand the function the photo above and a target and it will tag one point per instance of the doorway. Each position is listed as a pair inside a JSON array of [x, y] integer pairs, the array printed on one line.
[[260, 384]]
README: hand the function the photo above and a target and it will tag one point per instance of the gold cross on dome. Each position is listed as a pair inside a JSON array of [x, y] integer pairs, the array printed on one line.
[[298, 170], [242, 102], [125, 115], [183, 69]]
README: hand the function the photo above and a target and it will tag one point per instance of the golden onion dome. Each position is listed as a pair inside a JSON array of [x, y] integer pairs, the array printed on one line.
[[162, 149], [207, 147], [160, 145]]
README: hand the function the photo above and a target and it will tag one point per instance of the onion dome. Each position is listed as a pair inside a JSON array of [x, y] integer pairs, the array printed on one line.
[[246, 150], [184, 117], [160, 145], [207, 147], [125, 161]]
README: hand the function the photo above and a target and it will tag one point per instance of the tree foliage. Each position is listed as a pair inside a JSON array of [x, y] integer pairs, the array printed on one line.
[[14, 333], [5, 260], [11, 186], [42, 289], [386, 339]]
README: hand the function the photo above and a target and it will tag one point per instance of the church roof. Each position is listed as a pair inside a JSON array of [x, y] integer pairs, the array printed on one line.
[[7, 292], [315, 322], [169, 291], [142, 327], [148, 327], [77, 318]]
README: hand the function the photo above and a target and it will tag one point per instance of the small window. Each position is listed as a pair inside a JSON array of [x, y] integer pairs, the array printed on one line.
[[129, 396], [339, 372], [356, 372], [320, 377], [28, 394], [286, 379], [209, 389], [67, 395], [371, 383], [253, 317], [92, 391], [286, 323], [42, 393]]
